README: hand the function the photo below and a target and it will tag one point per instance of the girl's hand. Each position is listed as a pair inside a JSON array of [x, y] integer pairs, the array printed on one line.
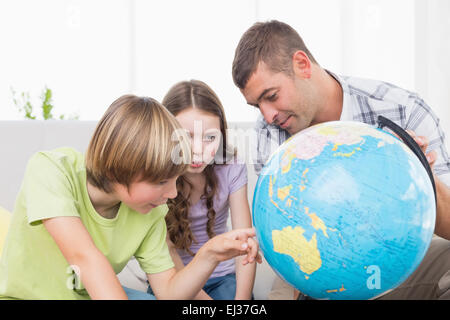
[[234, 243]]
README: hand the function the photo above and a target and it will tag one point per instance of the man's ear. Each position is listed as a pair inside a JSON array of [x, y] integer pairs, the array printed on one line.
[[301, 65]]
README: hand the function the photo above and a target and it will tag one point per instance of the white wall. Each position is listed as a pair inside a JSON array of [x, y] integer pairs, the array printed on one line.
[[91, 52], [79, 49], [432, 67], [378, 40], [182, 40]]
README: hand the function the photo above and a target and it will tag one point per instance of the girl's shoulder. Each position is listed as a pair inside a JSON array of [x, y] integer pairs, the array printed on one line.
[[233, 165], [231, 175]]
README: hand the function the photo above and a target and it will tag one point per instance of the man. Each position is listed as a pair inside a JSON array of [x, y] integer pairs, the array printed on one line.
[[277, 74]]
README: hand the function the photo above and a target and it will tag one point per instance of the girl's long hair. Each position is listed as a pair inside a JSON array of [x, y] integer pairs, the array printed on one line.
[[184, 95]]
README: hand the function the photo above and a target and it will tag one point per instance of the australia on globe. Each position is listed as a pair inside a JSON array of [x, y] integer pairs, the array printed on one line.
[[344, 210]]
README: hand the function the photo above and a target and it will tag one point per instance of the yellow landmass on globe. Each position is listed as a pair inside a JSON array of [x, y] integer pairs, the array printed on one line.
[[303, 181], [270, 187], [327, 131], [288, 203], [305, 172], [284, 192], [342, 154], [316, 222], [337, 290], [271, 182], [292, 242], [287, 166]]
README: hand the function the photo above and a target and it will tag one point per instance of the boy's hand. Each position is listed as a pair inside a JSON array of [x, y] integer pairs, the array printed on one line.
[[234, 243]]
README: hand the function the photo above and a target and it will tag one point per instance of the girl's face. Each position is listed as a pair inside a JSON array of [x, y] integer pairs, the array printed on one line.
[[204, 130], [144, 196]]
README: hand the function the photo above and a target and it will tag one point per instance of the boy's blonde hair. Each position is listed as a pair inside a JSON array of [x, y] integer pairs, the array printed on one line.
[[137, 139]]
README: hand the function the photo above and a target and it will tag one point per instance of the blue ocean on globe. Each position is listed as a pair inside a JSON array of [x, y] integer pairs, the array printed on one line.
[[344, 210]]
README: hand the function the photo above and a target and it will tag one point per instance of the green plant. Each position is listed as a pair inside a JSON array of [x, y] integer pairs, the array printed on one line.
[[47, 105], [24, 105]]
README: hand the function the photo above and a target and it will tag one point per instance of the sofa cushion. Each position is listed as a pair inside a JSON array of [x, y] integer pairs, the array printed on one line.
[[5, 218]]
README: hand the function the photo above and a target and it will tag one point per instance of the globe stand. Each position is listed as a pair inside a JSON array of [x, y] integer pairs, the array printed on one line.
[[409, 141]]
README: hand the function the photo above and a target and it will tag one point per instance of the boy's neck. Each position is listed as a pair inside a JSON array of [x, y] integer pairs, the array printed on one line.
[[106, 204]]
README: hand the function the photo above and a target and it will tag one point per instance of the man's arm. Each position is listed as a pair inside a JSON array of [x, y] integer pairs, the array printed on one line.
[[442, 227]]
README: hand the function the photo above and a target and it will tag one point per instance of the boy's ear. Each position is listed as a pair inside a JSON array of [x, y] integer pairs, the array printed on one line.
[[301, 65]]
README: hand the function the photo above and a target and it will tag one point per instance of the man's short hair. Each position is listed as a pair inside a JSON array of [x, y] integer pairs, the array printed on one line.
[[272, 42]]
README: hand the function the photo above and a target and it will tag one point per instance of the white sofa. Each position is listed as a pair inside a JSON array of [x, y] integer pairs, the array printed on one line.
[[20, 139]]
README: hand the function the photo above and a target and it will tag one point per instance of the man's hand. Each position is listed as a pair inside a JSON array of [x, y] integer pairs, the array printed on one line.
[[442, 227], [423, 144]]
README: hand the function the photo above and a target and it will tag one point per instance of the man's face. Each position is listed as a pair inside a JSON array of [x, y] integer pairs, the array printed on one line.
[[284, 100]]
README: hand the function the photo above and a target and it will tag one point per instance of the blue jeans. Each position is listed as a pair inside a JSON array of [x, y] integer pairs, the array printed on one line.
[[220, 288], [138, 295]]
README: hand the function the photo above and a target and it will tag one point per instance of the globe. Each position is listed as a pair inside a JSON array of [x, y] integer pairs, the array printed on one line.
[[344, 210]]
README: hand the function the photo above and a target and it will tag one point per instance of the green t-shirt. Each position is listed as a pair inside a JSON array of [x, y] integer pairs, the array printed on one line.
[[33, 267]]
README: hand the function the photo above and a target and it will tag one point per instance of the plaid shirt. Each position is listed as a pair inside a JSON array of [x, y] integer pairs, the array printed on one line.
[[364, 100]]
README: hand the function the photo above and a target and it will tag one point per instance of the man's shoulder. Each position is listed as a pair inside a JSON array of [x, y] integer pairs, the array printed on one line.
[[378, 91]]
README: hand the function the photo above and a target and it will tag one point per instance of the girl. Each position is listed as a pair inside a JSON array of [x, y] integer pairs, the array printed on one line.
[[208, 190], [78, 220]]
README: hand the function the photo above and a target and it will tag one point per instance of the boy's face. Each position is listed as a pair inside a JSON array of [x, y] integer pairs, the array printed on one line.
[[285, 101], [144, 196]]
